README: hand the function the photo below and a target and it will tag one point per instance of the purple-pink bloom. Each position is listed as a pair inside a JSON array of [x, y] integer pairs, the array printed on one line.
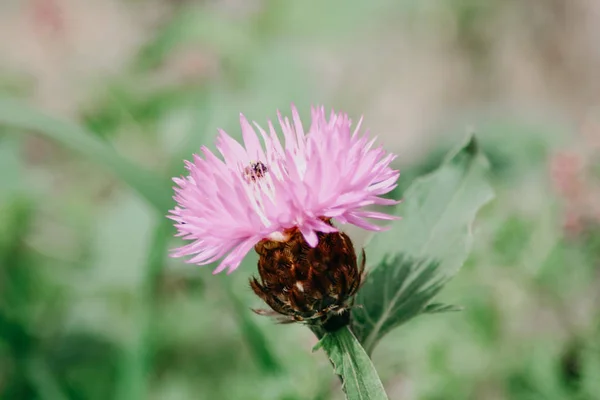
[[266, 190]]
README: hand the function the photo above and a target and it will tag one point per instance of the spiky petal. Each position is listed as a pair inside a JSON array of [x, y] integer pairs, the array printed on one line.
[[267, 189]]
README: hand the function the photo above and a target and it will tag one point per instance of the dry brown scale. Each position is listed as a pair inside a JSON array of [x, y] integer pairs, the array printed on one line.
[[311, 285]]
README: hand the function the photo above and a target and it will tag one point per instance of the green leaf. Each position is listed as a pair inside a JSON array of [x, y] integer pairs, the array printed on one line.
[[359, 378], [394, 292], [420, 253], [150, 186], [437, 308], [19, 115], [11, 168]]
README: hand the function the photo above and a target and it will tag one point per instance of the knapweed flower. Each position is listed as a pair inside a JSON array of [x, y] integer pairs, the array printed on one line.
[[282, 197]]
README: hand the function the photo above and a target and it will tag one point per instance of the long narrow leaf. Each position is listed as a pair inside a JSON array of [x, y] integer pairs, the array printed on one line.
[[24, 118], [154, 189]]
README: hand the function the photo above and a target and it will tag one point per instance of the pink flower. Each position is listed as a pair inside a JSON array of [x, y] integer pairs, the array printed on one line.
[[266, 190]]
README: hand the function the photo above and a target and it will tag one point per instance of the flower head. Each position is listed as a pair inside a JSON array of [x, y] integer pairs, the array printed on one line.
[[271, 189], [312, 285]]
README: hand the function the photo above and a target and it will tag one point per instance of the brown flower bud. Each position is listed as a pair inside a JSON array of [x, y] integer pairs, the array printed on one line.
[[305, 284]]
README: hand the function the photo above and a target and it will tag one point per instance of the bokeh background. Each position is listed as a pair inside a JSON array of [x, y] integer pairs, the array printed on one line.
[[91, 306]]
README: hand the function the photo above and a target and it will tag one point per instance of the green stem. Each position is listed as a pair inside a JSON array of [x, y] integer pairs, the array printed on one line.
[[138, 362], [255, 338], [360, 380]]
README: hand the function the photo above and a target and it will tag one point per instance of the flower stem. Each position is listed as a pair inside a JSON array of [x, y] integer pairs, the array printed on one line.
[[360, 380], [138, 359], [255, 338]]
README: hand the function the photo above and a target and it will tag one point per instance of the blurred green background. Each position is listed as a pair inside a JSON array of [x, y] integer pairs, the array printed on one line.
[[92, 307]]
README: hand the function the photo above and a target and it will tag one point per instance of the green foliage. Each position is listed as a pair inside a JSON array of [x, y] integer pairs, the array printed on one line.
[[394, 292], [359, 378], [437, 308], [512, 239], [20, 116], [437, 212], [91, 307], [416, 257], [11, 113]]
